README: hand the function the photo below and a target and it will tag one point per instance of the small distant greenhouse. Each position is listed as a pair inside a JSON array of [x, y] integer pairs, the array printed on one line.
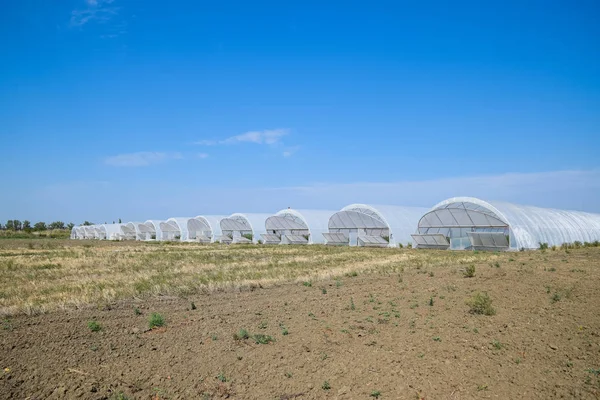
[[373, 225], [470, 223], [205, 228], [296, 227], [108, 231], [243, 227], [175, 229]]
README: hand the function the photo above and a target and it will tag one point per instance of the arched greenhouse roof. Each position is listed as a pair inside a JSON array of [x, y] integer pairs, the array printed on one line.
[[176, 226], [315, 221], [108, 231], [399, 220], [205, 228], [528, 225], [239, 223], [131, 230]]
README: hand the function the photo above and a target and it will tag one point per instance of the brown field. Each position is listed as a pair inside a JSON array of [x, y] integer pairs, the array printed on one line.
[[345, 323]]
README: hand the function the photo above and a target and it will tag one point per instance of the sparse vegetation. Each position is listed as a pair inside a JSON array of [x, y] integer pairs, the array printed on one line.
[[156, 320], [262, 339], [326, 385], [242, 334], [469, 271], [481, 303], [94, 326]]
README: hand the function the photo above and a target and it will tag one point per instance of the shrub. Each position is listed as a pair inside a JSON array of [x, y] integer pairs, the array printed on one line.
[[263, 339], [469, 271], [156, 320], [94, 326], [326, 385], [543, 246], [481, 303], [241, 334]]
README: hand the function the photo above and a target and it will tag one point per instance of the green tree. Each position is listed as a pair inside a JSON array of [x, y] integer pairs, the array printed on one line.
[[119, 220], [70, 226], [87, 223], [40, 226], [10, 225], [57, 225], [27, 226]]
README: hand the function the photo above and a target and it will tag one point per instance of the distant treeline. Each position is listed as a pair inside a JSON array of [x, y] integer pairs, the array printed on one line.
[[16, 225], [16, 229]]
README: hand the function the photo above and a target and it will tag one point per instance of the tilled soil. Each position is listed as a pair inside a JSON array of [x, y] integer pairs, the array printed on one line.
[[402, 336]]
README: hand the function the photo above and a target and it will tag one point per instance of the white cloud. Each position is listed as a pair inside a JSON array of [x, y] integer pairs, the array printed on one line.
[[202, 155], [289, 151], [269, 137], [140, 159], [97, 10], [206, 142]]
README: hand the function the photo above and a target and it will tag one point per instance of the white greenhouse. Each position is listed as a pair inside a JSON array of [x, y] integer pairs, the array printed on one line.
[[175, 229], [108, 231], [471, 223], [131, 231], [243, 227], [78, 232], [373, 225], [205, 228], [90, 232], [291, 226], [151, 229]]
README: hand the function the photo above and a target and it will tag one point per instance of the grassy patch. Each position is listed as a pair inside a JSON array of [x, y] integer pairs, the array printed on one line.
[[156, 320], [481, 303]]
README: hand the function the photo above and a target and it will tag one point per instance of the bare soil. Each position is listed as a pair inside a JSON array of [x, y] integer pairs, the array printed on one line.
[[406, 335]]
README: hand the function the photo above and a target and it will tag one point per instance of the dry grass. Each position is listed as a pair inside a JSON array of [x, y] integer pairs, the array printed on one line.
[[39, 276]]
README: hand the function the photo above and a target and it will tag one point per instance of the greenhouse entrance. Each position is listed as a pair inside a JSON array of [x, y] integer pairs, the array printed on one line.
[[358, 225], [463, 226], [286, 228]]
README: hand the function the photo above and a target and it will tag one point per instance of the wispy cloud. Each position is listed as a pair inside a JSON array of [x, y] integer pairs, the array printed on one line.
[[99, 11], [289, 151], [140, 159], [202, 155], [269, 137]]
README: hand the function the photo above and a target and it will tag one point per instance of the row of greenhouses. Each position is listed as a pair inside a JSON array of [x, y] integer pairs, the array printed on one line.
[[457, 223]]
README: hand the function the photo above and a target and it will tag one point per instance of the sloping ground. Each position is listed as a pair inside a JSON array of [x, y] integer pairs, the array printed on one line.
[[396, 333]]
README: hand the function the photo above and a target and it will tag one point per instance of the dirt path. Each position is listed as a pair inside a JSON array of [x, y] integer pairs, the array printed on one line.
[[400, 336]]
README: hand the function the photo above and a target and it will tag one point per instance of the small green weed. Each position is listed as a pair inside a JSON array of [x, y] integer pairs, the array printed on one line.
[[481, 303], [263, 339], [326, 386], [242, 334], [94, 326], [156, 320], [375, 393], [469, 271]]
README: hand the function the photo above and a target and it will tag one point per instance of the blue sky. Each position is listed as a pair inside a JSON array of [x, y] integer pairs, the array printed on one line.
[[123, 109]]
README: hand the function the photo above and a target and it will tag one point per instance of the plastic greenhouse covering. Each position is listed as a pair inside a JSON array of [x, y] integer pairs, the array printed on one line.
[[371, 225], [131, 231], [151, 229], [310, 224], [244, 227], [108, 231], [205, 228], [522, 226]]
